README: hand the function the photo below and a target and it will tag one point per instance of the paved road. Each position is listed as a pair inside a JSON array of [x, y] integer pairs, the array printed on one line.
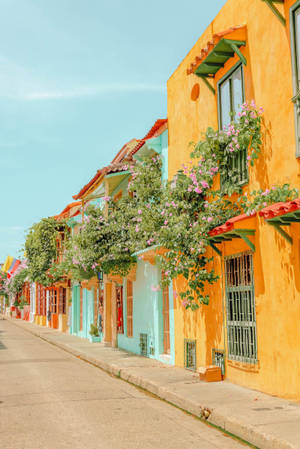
[[49, 399]]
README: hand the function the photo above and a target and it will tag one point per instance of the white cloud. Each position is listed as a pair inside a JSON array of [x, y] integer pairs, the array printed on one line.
[[20, 83], [78, 92], [12, 228]]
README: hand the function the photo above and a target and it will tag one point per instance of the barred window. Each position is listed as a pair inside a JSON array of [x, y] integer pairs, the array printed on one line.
[[240, 302], [231, 98]]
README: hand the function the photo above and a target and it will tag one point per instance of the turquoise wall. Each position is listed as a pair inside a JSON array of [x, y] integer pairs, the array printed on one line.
[[164, 154], [147, 314], [75, 321], [87, 312]]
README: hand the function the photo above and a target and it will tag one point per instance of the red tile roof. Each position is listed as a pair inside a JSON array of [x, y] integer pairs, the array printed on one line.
[[88, 185], [157, 129], [67, 212], [229, 225], [124, 155], [277, 209], [210, 46]]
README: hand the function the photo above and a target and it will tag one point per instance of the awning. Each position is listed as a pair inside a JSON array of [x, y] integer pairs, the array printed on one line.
[[216, 59], [223, 45], [282, 214], [230, 230]]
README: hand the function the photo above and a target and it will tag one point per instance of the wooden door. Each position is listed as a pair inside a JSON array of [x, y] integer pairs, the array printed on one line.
[[54, 309]]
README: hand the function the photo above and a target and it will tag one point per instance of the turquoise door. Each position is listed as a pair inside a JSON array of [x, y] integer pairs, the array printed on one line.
[[87, 311], [75, 310]]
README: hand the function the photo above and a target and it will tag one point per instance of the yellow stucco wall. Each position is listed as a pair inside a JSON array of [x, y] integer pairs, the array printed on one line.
[[268, 80]]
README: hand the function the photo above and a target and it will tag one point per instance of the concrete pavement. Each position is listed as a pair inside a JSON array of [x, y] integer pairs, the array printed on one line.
[[50, 399], [265, 421]]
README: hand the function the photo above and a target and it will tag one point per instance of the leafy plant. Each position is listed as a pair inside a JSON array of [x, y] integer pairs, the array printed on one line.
[[94, 332], [41, 250]]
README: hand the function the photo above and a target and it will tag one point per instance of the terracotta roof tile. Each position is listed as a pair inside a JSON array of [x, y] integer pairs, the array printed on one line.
[[67, 212], [204, 52], [229, 225], [124, 155], [277, 209], [157, 129], [87, 186]]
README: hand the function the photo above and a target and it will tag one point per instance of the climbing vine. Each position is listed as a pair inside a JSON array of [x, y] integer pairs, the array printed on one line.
[[176, 215], [41, 249]]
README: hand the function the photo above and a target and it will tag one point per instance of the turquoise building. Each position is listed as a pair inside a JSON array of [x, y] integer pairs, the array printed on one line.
[[147, 323]]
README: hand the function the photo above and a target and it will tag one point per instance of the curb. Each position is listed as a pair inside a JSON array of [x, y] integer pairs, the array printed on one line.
[[237, 429]]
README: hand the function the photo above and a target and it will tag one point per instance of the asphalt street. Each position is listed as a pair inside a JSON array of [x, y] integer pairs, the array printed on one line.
[[50, 399]]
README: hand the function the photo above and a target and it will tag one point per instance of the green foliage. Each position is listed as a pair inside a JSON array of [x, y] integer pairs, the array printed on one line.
[[94, 332], [176, 216], [223, 145], [40, 247], [16, 285], [258, 199]]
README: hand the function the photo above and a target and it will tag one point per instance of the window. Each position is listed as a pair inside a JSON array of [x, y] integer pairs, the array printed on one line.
[[231, 97], [190, 354], [240, 303], [53, 296], [62, 300], [295, 40], [129, 309]]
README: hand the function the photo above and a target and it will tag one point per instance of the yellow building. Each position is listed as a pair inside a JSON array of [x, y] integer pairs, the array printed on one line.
[[251, 326]]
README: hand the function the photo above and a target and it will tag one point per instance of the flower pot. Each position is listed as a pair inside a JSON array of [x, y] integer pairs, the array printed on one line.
[[94, 339]]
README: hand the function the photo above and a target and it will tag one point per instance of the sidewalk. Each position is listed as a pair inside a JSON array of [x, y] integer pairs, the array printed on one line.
[[265, 421]]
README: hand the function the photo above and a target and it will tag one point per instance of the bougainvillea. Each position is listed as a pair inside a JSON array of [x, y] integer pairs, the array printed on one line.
[[175, 215], [41, 249], [14, 283]]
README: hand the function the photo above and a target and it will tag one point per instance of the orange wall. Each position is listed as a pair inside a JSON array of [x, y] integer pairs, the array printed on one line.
[[268, 80]]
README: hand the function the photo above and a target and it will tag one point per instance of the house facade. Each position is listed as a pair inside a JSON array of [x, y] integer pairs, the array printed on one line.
[[249, 52]]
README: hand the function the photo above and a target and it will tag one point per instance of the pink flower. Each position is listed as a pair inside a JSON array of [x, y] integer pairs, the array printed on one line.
[[165, 222], [137, 228], [155, 288], [139, 212], [106, 198], [209, 219], [204, 184], [248, 158], [198, 190]]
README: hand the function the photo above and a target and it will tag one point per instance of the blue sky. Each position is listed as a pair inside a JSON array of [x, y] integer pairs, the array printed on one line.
[[78, 79]]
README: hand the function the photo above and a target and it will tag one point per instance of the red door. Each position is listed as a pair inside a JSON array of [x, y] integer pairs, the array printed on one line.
[[120, 322]]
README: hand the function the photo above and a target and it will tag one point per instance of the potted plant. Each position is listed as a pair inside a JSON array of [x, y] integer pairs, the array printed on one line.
[[94, 334]]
